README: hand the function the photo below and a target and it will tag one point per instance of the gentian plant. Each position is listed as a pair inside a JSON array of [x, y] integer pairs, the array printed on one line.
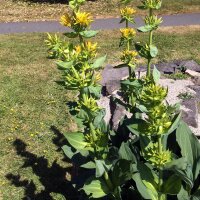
[[153, 154]]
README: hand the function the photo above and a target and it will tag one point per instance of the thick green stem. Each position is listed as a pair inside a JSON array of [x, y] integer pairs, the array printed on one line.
[[160, 175], [80, 38], [128, 48], [150, 43]]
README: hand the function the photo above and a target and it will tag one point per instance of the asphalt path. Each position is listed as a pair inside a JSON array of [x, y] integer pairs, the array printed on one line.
[[102, 24]]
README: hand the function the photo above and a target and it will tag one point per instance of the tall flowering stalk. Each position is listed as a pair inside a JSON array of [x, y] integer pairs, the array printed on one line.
[[152, 22], [127, 36]]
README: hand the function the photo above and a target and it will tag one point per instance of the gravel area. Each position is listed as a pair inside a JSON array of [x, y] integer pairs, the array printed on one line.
[[174, 89]]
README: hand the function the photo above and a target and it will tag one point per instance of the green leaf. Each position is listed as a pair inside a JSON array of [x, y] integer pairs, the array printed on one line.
[[71, 34], [64, 65], [172, 185], [95, 90], [77, 140], [99, 118], [88, 34], [96, 188], [153, 51], [121, 172], [156, 74], [145, 181], [68, 151], [126, 153], [89, 165], [183, 194], [144, 29], [190, 147], [135, 126], [99, 62], [146, 192], [182, 168], [100, 169]]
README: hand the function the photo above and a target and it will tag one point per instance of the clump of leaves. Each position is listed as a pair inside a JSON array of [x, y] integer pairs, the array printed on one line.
[[185, 95], [177, 76]]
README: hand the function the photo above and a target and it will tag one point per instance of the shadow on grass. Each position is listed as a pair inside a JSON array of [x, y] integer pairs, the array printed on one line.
[[53, 178]]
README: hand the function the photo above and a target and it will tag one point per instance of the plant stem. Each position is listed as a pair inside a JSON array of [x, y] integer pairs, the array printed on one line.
[[128, 48], [160, 176], [150, 43]]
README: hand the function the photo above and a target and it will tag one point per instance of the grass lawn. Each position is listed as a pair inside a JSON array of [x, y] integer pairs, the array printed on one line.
[[31, 10], [33, 109]]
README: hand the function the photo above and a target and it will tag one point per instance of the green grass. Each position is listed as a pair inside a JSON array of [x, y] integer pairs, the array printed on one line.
[[31, 103], [31, 10]]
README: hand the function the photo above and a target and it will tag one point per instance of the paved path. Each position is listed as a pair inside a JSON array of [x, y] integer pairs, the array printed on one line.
[[103, 24]]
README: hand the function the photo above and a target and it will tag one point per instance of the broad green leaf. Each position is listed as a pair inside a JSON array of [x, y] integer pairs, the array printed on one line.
[[99, 62], [182, 168], [88, 34], [190, 147], [64, 65], [99, 118], [68, 151], [96, 188], [77, 140], [153, 51], [145, 28], [145, 181], [156, 74], [183, 194], [172, 185], [135, 126], [145, 192], [100, 169], [71, 34], [89, 165], [95, 90], [121, 172], [126, 153]]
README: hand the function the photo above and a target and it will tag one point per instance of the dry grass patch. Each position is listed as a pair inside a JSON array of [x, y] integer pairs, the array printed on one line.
[[21, 10]]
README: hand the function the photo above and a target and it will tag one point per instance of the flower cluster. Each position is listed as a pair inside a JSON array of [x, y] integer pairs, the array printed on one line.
[[157, 159], [152, 4], [153, 21], [128, 33], [78, 20], [129, 56], [127, 13]]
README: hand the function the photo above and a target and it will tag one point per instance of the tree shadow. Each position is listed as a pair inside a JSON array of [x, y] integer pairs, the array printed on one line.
[[53, 178]]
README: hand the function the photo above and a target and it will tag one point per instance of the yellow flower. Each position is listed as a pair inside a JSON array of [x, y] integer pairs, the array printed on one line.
[[82, 18], [127, 33], [129, 56], [90, 47], [65, 20], [78, 49], [127, 12]]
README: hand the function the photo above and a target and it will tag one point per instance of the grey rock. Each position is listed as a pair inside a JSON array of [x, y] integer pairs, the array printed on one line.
[[167, 68], [196, 80], [190, 64], [196, 88], [109, 74], [104, 102], [112, 86], [190, 116], [118, 114]]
